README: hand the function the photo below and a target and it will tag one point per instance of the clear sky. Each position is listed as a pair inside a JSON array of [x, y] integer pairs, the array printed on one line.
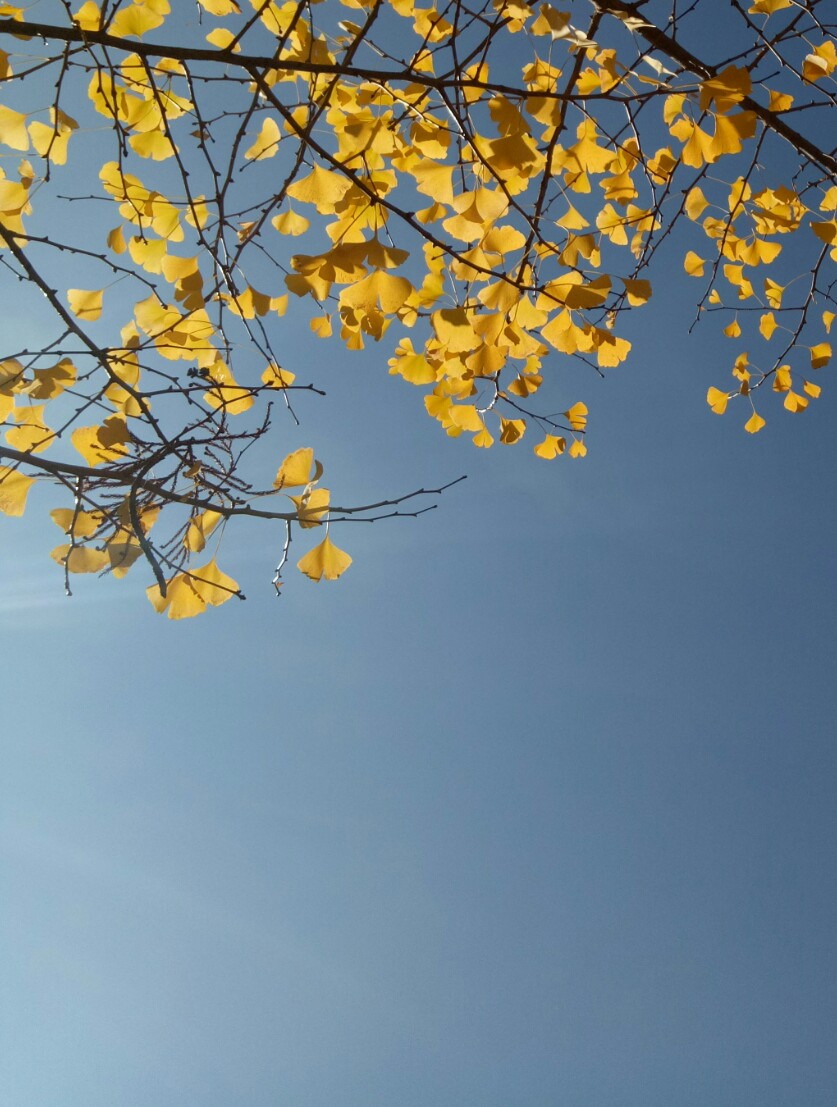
[[535, 806]]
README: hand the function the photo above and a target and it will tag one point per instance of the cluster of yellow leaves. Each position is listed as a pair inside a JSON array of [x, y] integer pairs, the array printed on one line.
[[535, 233]]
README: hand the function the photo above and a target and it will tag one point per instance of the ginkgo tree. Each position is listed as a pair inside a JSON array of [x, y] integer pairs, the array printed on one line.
[[481, 186]]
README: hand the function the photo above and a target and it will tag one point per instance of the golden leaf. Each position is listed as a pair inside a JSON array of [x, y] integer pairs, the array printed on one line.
[[296, 470], [552, 446], [267, 141], [107, 441], [820, 355], [85, 304], [14, 488], [693, 264], [717, 400], [325, 560], [81, 559]]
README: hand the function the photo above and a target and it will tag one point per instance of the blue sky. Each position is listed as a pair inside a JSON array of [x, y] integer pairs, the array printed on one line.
[[536, 805]]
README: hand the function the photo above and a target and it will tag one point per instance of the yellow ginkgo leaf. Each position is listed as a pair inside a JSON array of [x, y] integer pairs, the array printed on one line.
[[638, 291], [754, 423], [578, 449], [552, 446], [107, 441], [223, 39], [199, 529], [693, 264], [181, 600], [820, 355], [13, 132], [795, 402], [512, 430], [81, 559], [267, 140], [696, 204], [717, 400], [767, 325], [220, 7], [812, 389], [296, 470], [290, 223], [213, 586], [155, 145], [137, 19], [782, 379], [32, 435], [189, 594], [577, 416], [325, 560], [85, 304], [311, 507], [83, 524], [14, 488], [275, 376]]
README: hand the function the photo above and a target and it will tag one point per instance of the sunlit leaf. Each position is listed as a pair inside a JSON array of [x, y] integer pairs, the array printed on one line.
[[85, 304], [14, 488], [298, 469], [325, 560]]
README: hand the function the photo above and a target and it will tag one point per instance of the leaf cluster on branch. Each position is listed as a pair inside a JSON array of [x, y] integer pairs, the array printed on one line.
[[483, 185]]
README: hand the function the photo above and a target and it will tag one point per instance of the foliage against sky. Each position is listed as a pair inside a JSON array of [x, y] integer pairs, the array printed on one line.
[[484, 188]]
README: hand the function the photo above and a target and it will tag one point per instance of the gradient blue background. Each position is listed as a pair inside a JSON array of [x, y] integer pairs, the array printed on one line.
[[536, 806]]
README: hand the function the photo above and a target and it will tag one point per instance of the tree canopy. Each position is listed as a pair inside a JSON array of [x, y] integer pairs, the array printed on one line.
[[485, 188]]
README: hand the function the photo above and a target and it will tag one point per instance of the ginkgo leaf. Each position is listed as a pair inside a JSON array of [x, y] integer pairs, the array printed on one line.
[[577, 416], [14, 488], [767, 325], [512, 430], [136, 19], [13, 132], [31, 434], [81, 559], [311, 507], [782, 379], [267, 141], [551, 447], [275, 376], [717, 400], [189, 594], [220, 7], [106, 441], [88, 17], [224, 39], [298, 469], [795, 402], [820, 355], [85, 304], [153, 144], [322, 187], [696, 204], [83, 524], [290, 223], [693, 264], [199, 529], [325, 560], [638, 291], [754, 423]]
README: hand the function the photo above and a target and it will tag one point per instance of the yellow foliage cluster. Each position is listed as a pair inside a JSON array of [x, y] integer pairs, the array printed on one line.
[[480, 217]]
